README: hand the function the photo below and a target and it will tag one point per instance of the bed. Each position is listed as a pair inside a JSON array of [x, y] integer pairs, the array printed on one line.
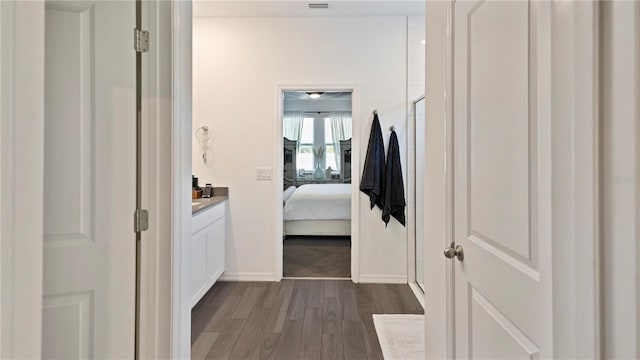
[[318, 210]]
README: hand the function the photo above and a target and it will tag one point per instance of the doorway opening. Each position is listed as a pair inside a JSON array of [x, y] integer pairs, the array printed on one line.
[[316, 179]]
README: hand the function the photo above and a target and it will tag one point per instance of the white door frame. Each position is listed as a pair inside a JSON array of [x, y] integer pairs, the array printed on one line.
[[355, 169], [156, 274], [411, 194], [21, 177], [181, 165], [576, 171], [412, 204], [575, 168], [620, 184], [438, 272]]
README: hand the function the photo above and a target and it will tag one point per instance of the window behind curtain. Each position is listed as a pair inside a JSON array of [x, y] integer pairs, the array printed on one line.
[[305, 148], [305, 159], [329, 153]]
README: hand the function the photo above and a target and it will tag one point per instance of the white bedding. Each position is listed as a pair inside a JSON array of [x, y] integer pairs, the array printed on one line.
[[319, 202]]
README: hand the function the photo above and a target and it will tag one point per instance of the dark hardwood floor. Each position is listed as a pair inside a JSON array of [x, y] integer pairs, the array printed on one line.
[[316, 256], [294, 319]]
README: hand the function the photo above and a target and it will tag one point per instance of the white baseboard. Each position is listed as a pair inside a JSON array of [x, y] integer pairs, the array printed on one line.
[[260, 276], [315, 278], [382, 279], [248, 276]]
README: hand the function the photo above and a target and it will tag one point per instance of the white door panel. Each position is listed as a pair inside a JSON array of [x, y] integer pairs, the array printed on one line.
[[501, 193], [89, 243]]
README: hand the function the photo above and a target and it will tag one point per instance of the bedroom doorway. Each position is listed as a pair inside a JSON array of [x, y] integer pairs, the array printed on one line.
[[316, 177]]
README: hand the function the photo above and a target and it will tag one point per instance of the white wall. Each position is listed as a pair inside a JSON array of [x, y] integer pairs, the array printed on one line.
[[238, 64]]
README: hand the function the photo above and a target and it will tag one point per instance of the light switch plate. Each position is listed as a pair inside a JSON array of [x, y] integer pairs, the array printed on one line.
[[264, 173]]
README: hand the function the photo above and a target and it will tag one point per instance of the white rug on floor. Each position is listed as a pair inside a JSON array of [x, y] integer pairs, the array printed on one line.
[[401, 336]]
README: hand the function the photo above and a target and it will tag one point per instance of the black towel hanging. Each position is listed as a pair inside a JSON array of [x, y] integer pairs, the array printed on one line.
[[394, 201], [373, 178]]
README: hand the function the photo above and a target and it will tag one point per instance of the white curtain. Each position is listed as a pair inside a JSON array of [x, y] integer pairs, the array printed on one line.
[[292, 125], [340, 130]]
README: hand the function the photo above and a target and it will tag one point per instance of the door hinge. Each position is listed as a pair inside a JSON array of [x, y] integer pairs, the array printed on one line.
[[141, 40], [141, 220]]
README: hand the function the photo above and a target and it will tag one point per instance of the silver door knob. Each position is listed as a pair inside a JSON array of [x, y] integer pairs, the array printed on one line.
[[451, 252]]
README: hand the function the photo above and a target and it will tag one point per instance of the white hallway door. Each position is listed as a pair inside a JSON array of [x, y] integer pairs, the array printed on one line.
[[89, 243], [502, 168]]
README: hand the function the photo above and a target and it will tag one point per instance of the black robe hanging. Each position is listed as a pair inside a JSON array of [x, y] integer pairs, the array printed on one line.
[[373, 179], [394, 202]]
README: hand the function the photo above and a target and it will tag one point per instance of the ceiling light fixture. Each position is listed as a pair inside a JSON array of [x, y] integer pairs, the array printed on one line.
[[315, 95]]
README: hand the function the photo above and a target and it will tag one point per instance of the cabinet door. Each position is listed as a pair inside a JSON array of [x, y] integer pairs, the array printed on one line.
[[215, 249], [198, 261]]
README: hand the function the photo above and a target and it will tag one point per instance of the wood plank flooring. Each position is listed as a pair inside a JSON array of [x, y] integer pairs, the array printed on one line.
[[294, 319], [316, 256]]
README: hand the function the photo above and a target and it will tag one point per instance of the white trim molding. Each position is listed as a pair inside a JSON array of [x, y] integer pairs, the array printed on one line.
[[382, 279], [575, 179], [155, 317], [620, 185], [411, 192], [181, 52], [21, 177], [248, 276], [438, 272]]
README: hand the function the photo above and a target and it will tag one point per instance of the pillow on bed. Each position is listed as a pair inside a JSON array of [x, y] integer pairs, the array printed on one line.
[[287, 193]]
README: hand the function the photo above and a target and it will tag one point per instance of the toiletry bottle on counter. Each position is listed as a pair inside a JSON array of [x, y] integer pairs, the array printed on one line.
[[196, 191], [207, 192]]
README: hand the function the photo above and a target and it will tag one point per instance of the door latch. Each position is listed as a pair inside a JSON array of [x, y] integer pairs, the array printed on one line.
[[451, 252]]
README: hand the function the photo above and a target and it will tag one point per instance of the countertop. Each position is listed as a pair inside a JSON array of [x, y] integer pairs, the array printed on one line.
[[220, 194]]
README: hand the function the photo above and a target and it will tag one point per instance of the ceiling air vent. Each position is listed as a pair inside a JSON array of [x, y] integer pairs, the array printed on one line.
[[318, 6]]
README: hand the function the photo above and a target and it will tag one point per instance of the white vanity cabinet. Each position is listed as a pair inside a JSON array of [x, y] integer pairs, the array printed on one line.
[[207, 249]]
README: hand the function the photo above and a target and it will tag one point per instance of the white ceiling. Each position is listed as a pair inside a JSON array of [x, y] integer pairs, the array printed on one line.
[[266, 8]]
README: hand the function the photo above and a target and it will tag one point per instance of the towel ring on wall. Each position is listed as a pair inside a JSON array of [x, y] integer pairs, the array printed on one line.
[[203, 136]]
